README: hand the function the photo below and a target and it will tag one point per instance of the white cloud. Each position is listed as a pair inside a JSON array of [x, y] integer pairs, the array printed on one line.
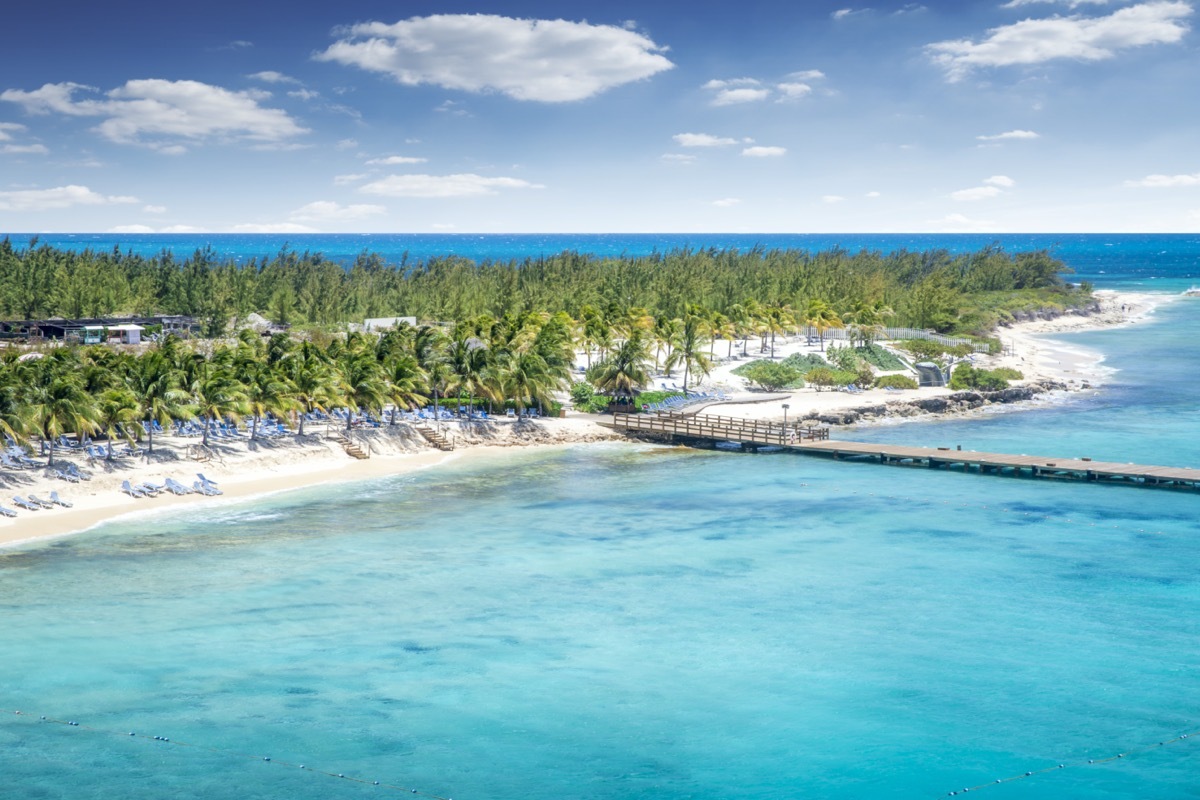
[[1003, 181], [157, 113], [154, 209], [794, 91], [271, 76], [975, 193], [24, 149], [394, 160], [730, 83], [843, 13], [727, 202], [272, 227], [678, 158], [346, 144], [960, 223], [326, 210], [1068, 3], [764, 152], [1166, 181], [58, 197], [183, 229], [1016, 134], [304, 94], [872, 194], [702, 140], [1033, 41], [5, 127], [549, 61], [729, 97], [831, 199], [461, 185], [342, 180], [130, 229], [806, 75]]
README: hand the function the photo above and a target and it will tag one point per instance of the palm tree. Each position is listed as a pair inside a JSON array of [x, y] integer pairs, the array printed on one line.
[[405, 382], [363, 383], [315, 387], [56, 405], [691, 343], [155, 385], [526, 379], [116, 413], [624, 371], [820, 315], [217, 394], [267, 392]]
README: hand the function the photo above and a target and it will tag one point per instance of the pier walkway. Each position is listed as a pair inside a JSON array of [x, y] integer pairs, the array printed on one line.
[[698, 429]]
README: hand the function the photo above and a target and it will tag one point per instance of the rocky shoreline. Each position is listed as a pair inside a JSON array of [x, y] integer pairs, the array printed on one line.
[[943, 405]]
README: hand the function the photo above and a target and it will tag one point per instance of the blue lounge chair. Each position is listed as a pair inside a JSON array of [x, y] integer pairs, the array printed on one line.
[[7, 512], [58, 501], [33, 498], [176, 487], [206, 489], [131, 490], [21, 502], [205, 480]]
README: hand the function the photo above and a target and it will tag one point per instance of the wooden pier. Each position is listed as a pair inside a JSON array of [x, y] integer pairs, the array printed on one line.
[[752, 434]]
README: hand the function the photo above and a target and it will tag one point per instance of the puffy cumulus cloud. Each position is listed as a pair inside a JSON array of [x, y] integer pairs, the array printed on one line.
[[1034, 41], [158, 113], [8, 128], [1166, 181], [760, 151], [56, 198], [272, 227], [460, 185], [727, 202], [392, 161], [1067, 3], [992, 187], [328, 210], [702, 140], [271, 76], [548, 61], [1008, 135], [734, 91], [975, 193]]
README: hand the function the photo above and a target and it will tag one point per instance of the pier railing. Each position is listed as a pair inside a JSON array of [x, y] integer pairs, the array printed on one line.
[[718, 428]]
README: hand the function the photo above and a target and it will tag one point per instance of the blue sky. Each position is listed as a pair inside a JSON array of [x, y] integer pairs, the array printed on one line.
[[1010, 115]]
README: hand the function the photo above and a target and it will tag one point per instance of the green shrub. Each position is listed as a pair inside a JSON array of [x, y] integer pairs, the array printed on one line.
[[581, 393], [966, 376], [771, 376], [879, 357], [843, 358], [1009, 374], [825, 377], [803, 362], [895, 382]]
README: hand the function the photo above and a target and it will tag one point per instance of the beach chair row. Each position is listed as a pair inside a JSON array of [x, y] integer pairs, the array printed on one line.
[[34, 503], [145, 489], [679, 401]]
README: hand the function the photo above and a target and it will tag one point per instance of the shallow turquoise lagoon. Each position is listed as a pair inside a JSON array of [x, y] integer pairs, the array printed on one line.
[[624, 621]]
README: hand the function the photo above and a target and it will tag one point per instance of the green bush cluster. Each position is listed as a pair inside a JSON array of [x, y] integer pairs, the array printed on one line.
[[966, 376], [895, 382], [771, 376], [879, 357], [803, 362], [827, 378], [584, 398]]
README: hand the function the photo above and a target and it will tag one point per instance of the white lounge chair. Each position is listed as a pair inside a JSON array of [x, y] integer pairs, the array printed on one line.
[[176, 487], [33, 498], [54, 498], [131, 491], [7, 512], [21, 502]]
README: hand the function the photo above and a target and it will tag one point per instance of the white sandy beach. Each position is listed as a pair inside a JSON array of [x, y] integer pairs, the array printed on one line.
[[286, 463]]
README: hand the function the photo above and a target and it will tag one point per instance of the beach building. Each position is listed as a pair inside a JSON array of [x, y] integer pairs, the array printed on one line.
[[380, 324], [95, 330]]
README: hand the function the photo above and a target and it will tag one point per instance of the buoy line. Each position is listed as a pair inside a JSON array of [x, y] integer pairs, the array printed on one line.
[[1091, 762], [230, 753]]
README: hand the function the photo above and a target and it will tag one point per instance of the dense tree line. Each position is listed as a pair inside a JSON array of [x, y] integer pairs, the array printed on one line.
[[932, 289]]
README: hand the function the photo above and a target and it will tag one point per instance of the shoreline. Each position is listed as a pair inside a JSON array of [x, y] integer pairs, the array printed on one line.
[[270, 467]]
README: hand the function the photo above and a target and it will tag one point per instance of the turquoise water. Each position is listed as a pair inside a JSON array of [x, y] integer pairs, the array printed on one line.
[[622, 621], [1162, 262]]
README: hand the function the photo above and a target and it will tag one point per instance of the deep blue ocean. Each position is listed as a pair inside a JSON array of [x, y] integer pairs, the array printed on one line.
[[629, 621], [1111, 259]]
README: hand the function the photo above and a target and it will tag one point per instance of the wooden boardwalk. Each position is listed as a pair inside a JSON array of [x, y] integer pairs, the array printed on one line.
[[815, 441]]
